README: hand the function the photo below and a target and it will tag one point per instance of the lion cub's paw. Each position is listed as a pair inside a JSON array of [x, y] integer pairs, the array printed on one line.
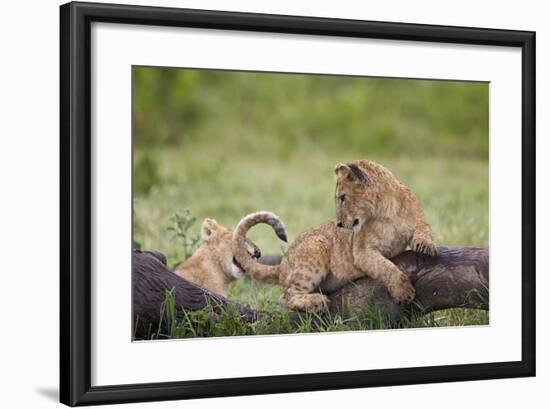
[[317, 302], [402, 291], [424, 246]]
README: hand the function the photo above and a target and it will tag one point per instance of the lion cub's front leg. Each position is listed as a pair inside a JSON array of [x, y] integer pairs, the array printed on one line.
[[422, 241], [375, 265]]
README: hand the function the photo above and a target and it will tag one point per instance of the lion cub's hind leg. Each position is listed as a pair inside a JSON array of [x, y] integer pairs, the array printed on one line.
[[300, 286], [304, 302]]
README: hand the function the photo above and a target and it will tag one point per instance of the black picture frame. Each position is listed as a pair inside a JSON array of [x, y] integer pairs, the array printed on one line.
[[76, 198]]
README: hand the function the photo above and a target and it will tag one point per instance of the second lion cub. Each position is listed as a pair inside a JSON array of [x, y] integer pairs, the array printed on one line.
[[377, 217], [211, 266]]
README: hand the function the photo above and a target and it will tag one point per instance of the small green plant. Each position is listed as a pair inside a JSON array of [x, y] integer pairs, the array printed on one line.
[[180, 225]]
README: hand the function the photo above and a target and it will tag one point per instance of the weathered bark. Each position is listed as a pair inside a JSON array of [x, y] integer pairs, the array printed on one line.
[[457, 277]]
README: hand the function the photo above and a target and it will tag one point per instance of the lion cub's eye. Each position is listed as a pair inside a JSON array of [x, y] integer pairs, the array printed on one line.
[[342, 198]]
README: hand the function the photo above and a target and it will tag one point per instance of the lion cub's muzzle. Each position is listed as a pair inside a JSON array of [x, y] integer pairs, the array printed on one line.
[[351, 225]]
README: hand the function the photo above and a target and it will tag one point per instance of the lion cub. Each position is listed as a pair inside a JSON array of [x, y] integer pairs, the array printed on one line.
[[377, 218], [211, 266]]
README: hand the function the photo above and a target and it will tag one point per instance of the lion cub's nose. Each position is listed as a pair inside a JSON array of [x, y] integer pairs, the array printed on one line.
[[257, 253]]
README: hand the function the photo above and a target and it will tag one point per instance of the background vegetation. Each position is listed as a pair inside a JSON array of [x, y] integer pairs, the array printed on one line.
[[223, 144]]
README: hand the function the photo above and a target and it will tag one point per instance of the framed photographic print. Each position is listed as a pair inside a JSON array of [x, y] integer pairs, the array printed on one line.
[[261, 203]]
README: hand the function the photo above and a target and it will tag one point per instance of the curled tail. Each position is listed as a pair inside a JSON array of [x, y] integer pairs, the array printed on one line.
[[241, 257]]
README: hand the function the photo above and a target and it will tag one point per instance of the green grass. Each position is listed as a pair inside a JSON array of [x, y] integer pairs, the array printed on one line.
[[226, 144], [217, 320]]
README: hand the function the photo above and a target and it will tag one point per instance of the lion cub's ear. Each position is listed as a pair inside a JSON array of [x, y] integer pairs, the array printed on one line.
[[341, 171], [208, 229], [349, 172]]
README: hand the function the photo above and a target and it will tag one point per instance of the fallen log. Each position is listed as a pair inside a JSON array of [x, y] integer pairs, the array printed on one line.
[[457, 277]]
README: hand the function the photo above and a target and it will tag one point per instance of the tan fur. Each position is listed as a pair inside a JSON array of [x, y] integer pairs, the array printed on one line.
[[377, 218], [211, 266]]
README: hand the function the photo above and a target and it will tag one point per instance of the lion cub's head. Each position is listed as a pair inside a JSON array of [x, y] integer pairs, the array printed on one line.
[[217, 239], [361, 188]]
